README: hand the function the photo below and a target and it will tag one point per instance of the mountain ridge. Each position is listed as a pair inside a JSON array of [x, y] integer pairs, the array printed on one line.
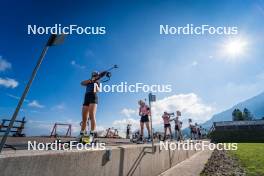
[[254, 104]]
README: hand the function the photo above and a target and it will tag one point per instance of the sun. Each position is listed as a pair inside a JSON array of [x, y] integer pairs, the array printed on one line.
[[235, 48]]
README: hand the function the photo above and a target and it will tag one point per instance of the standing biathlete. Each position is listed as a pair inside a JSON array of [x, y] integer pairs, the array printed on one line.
[[144, 113], [192, 130], [178, 125], [90, 104], [167, 125]]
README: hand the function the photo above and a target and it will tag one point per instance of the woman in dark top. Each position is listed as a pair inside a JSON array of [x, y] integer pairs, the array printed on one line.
[[90, 103]]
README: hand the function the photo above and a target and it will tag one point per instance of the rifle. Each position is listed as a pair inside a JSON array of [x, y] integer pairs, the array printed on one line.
[[107, 74]]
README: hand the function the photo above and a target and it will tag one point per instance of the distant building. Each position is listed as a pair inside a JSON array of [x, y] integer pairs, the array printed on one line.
[[259, 124], [238, 131]]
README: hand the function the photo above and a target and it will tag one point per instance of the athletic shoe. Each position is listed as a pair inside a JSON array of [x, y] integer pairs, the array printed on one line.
[[80, 136], [149, 139], [91, 137], [86, 139], [140, 139]]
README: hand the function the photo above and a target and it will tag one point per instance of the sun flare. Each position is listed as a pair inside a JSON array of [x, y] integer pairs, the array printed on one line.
[[235, 48]]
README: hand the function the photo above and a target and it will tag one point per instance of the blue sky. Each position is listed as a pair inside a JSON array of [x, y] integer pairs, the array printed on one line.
[[204, 79]]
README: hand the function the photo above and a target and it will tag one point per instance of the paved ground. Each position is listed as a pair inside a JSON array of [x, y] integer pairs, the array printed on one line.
[[190, 167]]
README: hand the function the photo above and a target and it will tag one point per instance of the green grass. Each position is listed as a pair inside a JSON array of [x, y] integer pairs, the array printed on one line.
[[251, 157]]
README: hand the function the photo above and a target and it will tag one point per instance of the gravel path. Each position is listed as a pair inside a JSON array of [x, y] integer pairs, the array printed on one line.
[[222, 164]]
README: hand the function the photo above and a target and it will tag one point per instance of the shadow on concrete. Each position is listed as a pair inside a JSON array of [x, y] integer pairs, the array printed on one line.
[[171, 156], [138, 160], [121, 161], [106, 157]]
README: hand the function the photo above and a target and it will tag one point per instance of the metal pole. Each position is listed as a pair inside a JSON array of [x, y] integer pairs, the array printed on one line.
[[11, 123], [152, 142]]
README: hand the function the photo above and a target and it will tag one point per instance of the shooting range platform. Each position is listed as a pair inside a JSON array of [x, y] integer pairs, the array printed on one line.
[[116, 160]]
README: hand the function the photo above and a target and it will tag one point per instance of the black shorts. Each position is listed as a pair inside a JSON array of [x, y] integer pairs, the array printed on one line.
[[167, 125], [90, 98], [144, 118], [177, 128]]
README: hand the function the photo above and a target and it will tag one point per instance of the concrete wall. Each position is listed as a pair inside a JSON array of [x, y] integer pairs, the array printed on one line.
[[125, 161]]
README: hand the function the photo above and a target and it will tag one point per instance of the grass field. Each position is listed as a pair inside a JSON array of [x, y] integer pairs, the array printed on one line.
[[251, 157]]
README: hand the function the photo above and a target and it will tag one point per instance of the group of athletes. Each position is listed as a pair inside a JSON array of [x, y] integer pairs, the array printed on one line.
[[144, 113], [90, 106]]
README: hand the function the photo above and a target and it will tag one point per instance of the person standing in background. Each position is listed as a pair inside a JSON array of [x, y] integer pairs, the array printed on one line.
[[144, 113], [167, 125], [178, 125]]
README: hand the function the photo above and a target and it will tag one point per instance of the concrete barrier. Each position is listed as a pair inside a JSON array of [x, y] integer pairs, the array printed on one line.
[[124, 160]]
